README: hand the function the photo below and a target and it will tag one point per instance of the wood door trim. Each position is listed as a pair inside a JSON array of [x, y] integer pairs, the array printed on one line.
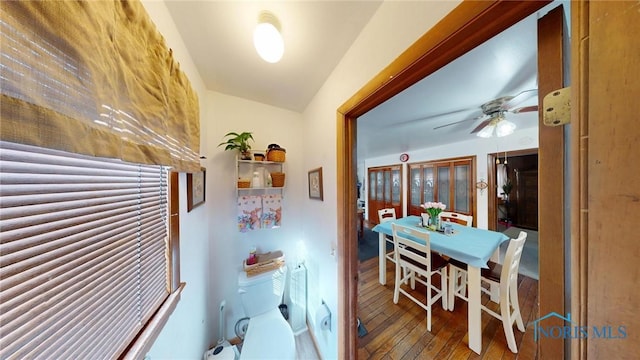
[[551, 202], [579, 135], [468, 25]]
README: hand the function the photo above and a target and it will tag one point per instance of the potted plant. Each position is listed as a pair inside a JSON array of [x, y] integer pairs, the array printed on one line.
[[506, 188], [239, 142]]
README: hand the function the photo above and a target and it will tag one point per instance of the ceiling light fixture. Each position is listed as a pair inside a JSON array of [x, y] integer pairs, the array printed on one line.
[[267, 38], [505, 127], [487, 131], [500, 124]]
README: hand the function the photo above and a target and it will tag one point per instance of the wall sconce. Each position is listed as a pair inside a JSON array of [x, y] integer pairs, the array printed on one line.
[[267, 38], [482, 185]]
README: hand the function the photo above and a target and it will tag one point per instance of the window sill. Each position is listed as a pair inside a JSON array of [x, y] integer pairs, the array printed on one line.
[[141, 346]]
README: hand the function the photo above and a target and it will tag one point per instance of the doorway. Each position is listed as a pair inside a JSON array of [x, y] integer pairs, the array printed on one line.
[[471, 23], [520, 206]]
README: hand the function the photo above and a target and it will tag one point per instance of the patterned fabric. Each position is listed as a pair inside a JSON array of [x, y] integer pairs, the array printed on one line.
[[271, 211], [249, 213]]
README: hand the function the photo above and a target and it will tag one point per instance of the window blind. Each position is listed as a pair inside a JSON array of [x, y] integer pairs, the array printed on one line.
[[83, 252]]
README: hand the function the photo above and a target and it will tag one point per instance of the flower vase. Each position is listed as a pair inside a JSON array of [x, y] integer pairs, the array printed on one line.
[[434, 222]]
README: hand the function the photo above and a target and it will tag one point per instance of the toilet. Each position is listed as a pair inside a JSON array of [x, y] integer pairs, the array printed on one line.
[[269, 335]]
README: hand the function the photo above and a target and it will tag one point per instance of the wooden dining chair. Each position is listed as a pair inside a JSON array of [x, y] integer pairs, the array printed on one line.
[[385, 215], [506, 278], [417, 259]]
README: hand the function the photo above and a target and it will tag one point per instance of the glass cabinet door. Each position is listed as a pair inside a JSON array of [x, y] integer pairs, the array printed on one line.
[[385, 184], [448, 181], [461, 189], [443, 186], [414, 186], [428, 185], [395, 187], [379, 186]]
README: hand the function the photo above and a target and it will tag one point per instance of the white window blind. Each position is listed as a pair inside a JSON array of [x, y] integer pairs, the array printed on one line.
[[83, 253]]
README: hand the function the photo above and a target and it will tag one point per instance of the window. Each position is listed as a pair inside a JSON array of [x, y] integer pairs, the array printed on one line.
[[448, 181], [83, 252]]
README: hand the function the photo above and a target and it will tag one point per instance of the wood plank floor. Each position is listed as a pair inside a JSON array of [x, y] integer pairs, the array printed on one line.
[[399, 331]]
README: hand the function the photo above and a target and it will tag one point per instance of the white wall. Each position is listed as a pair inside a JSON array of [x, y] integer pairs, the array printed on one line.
[[188, 330], [519, 140], [228, 246], [212, 249], [394, 27]]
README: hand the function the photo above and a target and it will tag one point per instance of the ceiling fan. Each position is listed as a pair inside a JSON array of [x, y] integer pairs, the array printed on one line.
[[495, 110]]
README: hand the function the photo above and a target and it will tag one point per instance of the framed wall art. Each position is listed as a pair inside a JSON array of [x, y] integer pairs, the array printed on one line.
[[196, 188], [315, 184]]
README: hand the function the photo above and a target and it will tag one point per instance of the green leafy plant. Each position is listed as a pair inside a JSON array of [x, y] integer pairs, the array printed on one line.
[[506, 187], [237, 141]]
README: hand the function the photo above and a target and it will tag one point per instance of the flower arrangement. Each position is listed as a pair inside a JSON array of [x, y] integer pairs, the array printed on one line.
[[433, 208]]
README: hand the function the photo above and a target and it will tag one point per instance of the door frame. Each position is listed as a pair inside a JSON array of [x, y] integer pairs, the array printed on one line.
[[468, 25], [492, 183]]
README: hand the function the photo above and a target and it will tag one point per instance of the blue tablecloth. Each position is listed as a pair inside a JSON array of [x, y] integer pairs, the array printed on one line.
[[468, 244]]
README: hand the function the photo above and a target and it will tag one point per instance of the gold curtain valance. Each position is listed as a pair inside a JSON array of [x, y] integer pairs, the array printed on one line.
[[96, 78]]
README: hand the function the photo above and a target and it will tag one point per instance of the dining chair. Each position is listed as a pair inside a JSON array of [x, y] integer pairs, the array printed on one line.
[[417, 259], [506, 278], [385, 215], [457, 278], [462, 219]]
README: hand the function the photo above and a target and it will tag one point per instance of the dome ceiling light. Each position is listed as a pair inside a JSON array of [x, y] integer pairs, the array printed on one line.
[[267, 38]]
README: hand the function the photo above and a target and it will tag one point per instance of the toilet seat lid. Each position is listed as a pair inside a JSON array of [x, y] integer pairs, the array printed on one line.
[[269, 336]]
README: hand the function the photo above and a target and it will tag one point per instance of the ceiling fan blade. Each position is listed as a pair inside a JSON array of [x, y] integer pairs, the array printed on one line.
[[448, 113], [457, 122], [525, 109], [481, 126], [521, 97]]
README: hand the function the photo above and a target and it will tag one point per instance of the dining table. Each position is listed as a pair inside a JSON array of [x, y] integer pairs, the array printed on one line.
[[470, 245]]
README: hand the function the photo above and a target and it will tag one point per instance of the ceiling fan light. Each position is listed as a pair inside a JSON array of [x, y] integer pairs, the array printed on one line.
[[487, 131], [504, 128], [267, 38]]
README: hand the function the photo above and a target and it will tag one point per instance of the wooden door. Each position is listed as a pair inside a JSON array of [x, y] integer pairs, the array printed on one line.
[[527, 199], [385, 191]]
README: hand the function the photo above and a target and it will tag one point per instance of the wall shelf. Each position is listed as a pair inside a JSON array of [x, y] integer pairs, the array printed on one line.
[[245, 169]]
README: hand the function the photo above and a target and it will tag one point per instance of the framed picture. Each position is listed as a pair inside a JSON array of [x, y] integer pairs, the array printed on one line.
[[195, 188], [315, 184]]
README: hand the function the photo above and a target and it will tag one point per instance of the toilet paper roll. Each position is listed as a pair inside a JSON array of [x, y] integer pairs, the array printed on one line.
[[323, 317]]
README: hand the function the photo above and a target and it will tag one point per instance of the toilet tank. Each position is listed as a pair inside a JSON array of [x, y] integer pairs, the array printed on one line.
[[263, 292]]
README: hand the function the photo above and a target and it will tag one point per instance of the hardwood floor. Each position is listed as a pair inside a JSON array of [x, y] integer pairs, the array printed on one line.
[[399, 331]]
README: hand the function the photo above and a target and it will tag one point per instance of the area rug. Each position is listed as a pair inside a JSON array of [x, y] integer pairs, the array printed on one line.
[[529, 259], [362, 331], [368, 245]]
